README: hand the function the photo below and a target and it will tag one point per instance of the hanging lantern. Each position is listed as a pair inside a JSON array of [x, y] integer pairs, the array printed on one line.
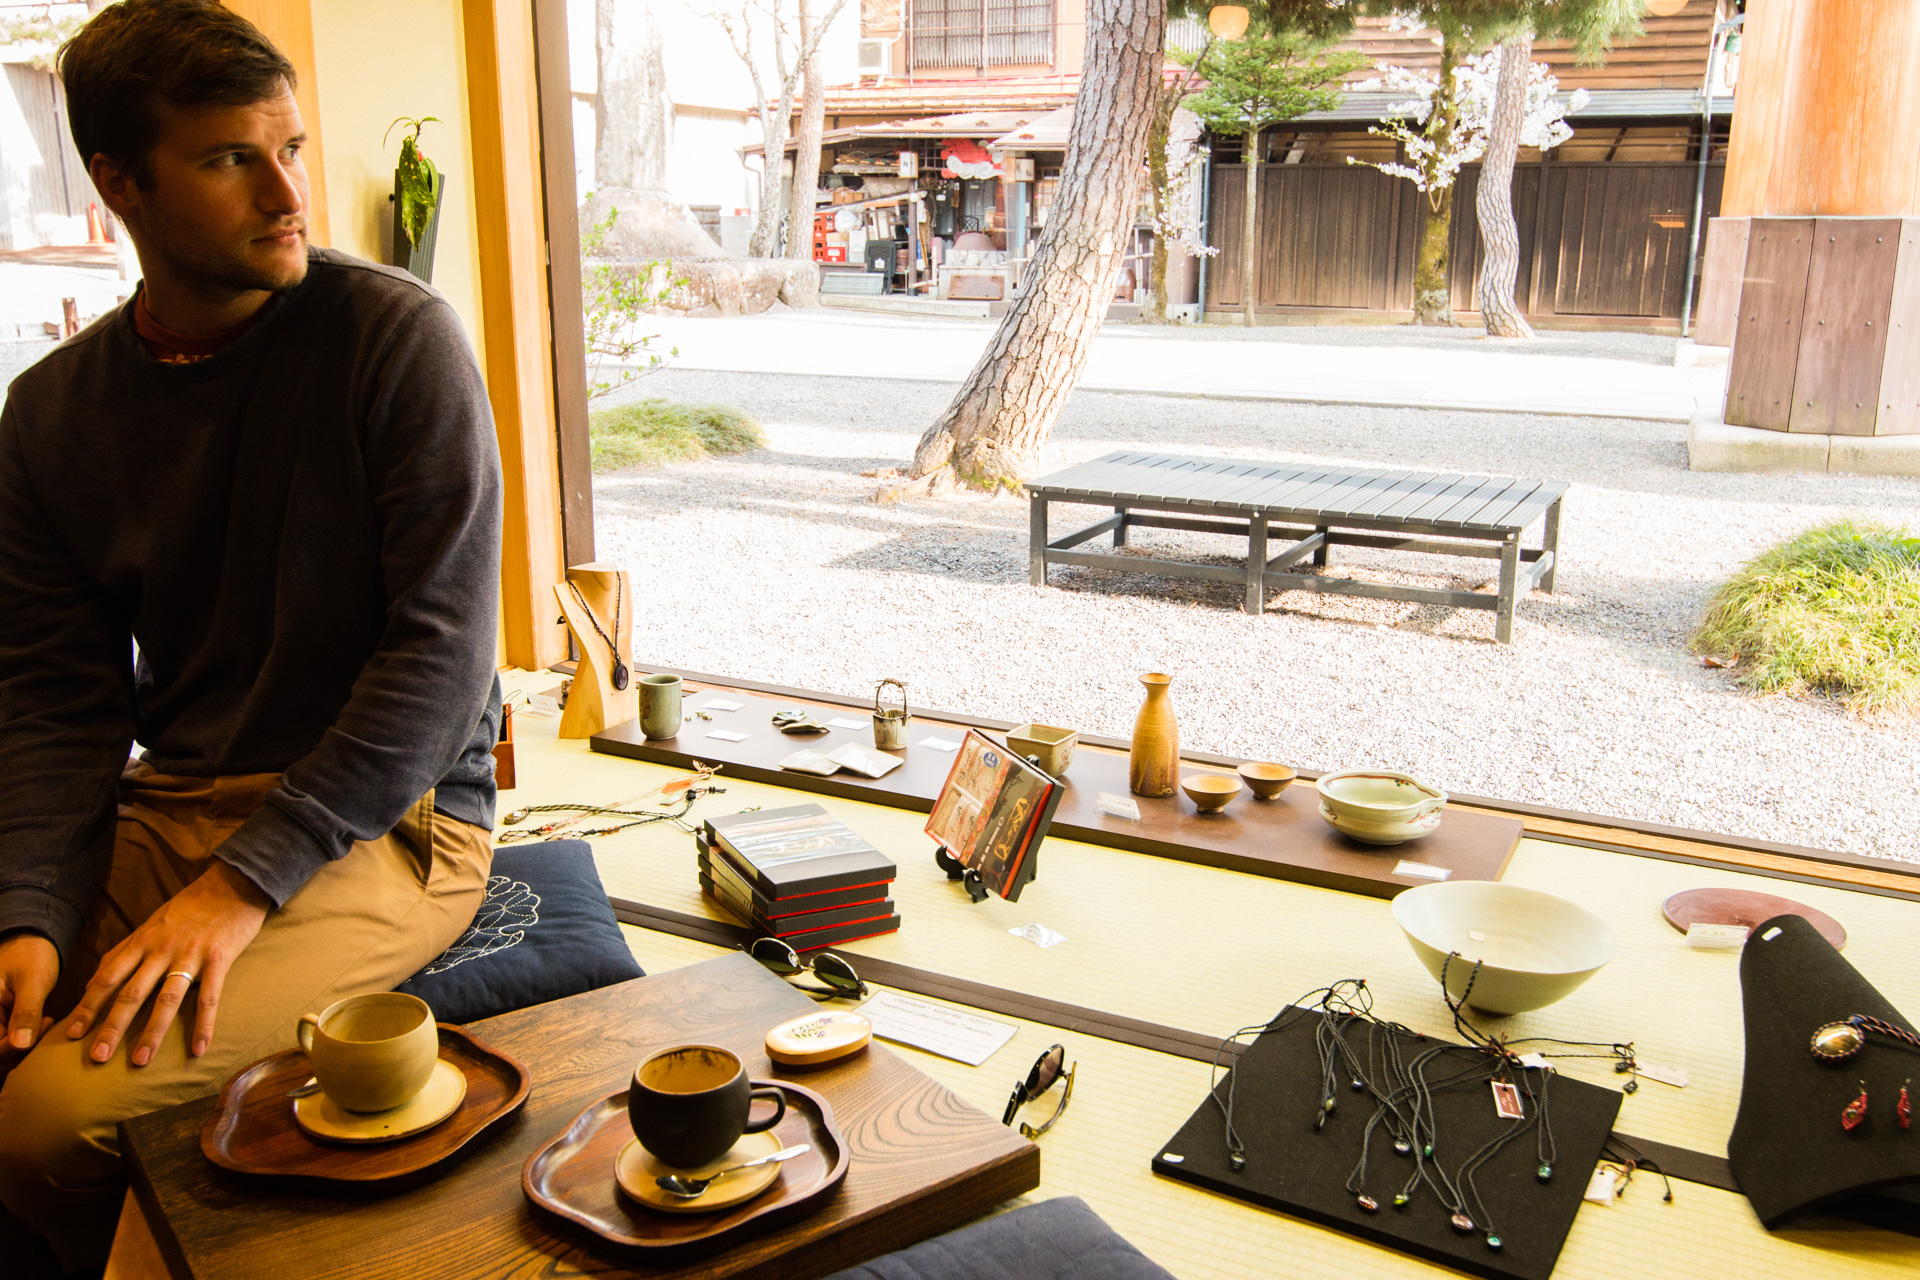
[[1229, 21], [1665, 8]]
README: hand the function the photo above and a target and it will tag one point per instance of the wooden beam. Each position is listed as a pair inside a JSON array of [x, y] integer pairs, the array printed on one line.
[[289, 24], [510, 216], [562, 205], [1829, 117]]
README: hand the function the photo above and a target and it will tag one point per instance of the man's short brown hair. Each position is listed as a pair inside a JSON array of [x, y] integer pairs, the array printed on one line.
[[139, 53]]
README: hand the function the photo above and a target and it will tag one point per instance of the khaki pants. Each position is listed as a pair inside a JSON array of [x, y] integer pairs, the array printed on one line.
[[365, 923]]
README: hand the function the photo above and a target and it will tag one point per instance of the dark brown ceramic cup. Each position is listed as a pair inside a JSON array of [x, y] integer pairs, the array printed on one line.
[[688, 1105]]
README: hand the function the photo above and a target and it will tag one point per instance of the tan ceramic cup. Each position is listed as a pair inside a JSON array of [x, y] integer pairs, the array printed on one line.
[[371, 1053]]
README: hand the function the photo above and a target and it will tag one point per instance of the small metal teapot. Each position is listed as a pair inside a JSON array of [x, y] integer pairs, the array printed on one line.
[[890, 724]]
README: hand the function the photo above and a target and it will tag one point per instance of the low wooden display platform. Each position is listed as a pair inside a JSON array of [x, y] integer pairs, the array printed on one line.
[[923, 1159], [1284, 838]]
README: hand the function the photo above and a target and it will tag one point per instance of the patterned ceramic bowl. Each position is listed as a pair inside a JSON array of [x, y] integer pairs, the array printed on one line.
[[1378, 806]]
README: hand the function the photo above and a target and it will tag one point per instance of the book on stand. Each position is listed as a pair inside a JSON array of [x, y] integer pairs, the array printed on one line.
[[992, 814]]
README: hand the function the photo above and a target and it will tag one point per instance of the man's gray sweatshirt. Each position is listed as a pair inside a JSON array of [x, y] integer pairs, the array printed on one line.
[[302, 536]]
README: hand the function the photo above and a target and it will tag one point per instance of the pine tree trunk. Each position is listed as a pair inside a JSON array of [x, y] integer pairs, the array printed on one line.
[[632, 120], [1158, 178], [1250, 230], [1499, 233], [1432, 291], [806, 157], [992, 433]]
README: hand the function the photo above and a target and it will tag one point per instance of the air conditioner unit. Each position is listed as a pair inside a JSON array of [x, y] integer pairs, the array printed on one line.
[[874, 57]]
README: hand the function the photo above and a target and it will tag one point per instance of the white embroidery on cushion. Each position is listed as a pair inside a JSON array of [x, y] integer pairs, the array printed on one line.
[[501, 922]]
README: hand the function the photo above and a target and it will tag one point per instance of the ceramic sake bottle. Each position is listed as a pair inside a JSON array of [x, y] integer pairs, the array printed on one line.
[[1153, 766]]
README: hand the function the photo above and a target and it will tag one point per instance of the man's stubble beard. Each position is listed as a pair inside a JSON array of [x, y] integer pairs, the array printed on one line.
[[222, 267]]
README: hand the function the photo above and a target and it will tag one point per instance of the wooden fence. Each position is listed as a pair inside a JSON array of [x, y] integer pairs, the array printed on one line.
[[1612, 238]]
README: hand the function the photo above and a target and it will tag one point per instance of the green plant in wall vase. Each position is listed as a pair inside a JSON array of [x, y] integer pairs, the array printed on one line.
[[418, 185]]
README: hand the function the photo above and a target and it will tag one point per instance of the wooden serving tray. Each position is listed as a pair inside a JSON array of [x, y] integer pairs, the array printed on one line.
[[1284, 838], [572, 1176], [252, 1130]]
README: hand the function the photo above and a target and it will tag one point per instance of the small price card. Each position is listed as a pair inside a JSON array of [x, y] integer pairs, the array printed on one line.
[[728, 735], [1117, 806], [718, 704], [938, 744], [846, 722]]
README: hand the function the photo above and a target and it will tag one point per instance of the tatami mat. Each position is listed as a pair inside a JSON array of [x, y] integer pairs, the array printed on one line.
[[1206, 950], [1126, 1101]]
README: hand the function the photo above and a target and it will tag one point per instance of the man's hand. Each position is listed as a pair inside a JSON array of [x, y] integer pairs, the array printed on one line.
[[195, 936], [29, 966]]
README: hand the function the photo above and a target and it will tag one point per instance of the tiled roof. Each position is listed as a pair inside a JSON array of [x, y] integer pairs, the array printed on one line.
[[896, 98]]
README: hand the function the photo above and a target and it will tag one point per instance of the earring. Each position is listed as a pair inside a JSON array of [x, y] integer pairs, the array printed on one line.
[[1904, 1108], [1856, 1111]]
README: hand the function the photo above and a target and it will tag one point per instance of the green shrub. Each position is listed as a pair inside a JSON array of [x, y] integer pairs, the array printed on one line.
[[1835, 610], [653, 433]]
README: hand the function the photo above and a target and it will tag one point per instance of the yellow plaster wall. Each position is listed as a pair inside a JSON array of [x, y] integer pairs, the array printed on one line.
[[378, 60]]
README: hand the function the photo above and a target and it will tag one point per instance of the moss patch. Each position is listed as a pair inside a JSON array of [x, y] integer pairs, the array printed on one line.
[[653, 433], [1835, 610]]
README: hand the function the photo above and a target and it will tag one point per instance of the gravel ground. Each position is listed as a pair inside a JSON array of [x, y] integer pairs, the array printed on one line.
[[777, 566], [16, 356], [1643, 348]]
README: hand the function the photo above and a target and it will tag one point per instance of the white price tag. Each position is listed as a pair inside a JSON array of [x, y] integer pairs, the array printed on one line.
[[1715, 937], [1675, 1076], [1117, 806], [1038, 934], [1421, 870], [846, 722], [717, 704], [1600, 1186], [1537, 1060], [728, 735], [938, 744]]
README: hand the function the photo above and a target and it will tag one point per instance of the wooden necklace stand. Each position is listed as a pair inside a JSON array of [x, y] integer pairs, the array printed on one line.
[[592, 701]]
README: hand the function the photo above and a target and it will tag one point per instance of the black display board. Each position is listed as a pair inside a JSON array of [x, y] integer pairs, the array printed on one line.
[[1295, 1169], [1788, 1149]]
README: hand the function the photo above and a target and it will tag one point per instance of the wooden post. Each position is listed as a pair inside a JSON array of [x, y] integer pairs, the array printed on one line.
[[289, 24], [503, 103]]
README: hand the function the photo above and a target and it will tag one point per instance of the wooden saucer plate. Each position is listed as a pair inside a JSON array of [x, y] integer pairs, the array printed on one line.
[[439, 1098], [253, 1130], [572, 1177], [636, 1170], [1747, 908]]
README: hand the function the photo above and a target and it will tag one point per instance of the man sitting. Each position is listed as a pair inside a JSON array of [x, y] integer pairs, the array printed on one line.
[[274, 472]]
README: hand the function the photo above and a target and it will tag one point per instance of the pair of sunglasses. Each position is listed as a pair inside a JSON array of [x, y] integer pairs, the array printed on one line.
[[842, 983], [1045, 1074]]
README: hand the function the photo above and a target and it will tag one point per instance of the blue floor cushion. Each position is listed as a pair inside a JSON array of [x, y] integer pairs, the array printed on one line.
[[1059, 1239], [545, 932]]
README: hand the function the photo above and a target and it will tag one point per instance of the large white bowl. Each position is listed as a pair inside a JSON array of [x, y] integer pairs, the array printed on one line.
[[1534, 948]]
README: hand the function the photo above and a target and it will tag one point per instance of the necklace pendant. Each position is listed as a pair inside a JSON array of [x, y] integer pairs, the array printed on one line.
[[1544, 1173], [1403, 1148], [1369, 1204], [1856, 1111], [619, 677], [1358, 1085], [1400, 1200], [1493, 1242], [1903, 1110], [1837, 1041], [1462, 1223]]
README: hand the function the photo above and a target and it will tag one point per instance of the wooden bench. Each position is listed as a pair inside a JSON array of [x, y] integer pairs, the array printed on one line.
[[1314, 508]]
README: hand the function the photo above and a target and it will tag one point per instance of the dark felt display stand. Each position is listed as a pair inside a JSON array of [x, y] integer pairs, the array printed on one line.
[[1788, 1151], [1296, 1170]]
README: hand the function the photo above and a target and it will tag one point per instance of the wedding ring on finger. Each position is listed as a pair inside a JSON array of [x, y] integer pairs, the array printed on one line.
[[178, 973]]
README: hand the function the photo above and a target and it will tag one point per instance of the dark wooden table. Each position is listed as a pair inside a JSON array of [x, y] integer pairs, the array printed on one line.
[[1285, 838], [923, 1159], [1314, 508]]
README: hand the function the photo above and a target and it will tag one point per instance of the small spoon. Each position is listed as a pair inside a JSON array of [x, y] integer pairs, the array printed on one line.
[[307, 1090], [691, 1188]]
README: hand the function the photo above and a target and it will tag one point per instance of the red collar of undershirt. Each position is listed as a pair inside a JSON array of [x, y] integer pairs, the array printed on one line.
[[168, 347]]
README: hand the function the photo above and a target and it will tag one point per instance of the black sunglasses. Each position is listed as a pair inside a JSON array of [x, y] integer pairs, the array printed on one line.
[[1045, 1074], [842, 982]]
